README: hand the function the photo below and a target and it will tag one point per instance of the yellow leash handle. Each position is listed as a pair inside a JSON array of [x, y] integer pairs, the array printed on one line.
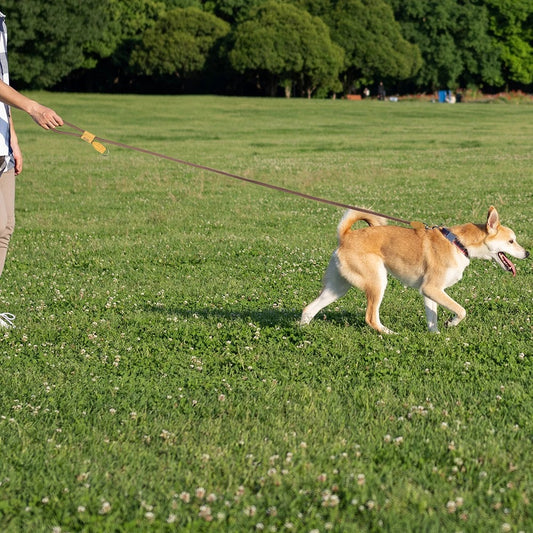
[[90, 138]]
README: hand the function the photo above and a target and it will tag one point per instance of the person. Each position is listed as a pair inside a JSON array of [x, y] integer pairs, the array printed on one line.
[[11, 159], [450, 98], [381, 91]]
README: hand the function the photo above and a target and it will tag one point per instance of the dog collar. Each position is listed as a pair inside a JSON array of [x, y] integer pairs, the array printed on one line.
[[454, 240]]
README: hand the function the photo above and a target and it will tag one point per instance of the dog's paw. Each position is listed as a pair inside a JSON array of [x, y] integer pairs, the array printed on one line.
[[452, 322]]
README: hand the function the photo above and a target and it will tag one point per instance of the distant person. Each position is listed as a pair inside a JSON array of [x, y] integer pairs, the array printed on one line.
[[10, 154], [366, 92], [381, 91], [450, 98]]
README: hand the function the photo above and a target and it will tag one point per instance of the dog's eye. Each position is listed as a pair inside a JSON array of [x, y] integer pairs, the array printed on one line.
[[511, 241]]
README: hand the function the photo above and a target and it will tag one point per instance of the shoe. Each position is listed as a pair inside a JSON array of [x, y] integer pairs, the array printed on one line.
[[6, 320]]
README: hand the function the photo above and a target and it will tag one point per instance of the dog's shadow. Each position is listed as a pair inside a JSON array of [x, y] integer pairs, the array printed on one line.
[[284, 318]]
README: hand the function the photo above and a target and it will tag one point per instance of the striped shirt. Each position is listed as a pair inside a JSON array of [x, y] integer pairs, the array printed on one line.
[[5, 148]]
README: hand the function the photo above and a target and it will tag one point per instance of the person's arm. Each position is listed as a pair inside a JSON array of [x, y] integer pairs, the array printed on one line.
[[17, 153], [43, 116]]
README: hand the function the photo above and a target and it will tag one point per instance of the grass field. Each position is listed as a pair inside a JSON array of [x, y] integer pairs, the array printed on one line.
[[158, 380]]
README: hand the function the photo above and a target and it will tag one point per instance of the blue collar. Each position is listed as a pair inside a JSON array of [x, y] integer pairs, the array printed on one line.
[[454, 240]]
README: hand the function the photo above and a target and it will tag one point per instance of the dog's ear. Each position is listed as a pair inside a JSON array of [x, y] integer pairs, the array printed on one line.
[[493, 220]]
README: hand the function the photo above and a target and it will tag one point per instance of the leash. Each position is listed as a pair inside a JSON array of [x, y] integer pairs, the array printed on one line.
[[97, 144], [94, 141]]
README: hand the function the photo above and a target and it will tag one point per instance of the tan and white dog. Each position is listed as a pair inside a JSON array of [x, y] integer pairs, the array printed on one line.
[[427, 259]]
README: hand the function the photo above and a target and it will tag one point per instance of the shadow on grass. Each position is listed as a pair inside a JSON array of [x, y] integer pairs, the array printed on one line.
[[286, 318]]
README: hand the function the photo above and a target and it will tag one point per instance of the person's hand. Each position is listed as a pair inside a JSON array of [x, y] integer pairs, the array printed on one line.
[[17, 156], [45, 117]]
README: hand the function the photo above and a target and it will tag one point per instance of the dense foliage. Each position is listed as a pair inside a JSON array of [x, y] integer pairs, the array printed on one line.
[[301, 47], [281, 45], [179, 43]]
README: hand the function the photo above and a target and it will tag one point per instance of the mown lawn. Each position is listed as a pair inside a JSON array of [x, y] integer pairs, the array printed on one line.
[[158, 380]]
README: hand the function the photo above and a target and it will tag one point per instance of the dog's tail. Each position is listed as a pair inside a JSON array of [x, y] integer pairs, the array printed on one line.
[[351, 217]]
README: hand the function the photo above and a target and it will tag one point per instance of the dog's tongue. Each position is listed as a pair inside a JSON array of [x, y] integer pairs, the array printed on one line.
[[508, 263]]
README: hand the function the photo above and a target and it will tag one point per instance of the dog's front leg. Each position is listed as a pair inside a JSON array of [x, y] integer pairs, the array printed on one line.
[[431, 314], [441, 298]]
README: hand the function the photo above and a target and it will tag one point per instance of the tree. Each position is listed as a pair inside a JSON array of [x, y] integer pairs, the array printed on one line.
[[454, 41], [372, 40], [131, 18], [48, 40], [317, 8], [511, 24], [232, 11], [179, 43], [323, 59], [281, 45]]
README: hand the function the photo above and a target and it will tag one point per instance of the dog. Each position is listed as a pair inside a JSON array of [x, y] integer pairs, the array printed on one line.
[[427, 259]]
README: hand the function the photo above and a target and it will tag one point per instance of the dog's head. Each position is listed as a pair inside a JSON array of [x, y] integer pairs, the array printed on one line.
[[500, 241]]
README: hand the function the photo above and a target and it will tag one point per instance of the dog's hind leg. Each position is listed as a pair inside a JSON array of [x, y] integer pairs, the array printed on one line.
[[335, 286], [374, 291], [431, 314]]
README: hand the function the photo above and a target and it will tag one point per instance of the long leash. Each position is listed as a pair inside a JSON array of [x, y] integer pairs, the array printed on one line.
[[97, 144]]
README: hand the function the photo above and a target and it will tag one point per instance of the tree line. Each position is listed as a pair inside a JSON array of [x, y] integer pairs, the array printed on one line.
[[270, 47]]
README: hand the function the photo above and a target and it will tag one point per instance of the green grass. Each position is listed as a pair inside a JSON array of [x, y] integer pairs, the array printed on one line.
[[157, 378]]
